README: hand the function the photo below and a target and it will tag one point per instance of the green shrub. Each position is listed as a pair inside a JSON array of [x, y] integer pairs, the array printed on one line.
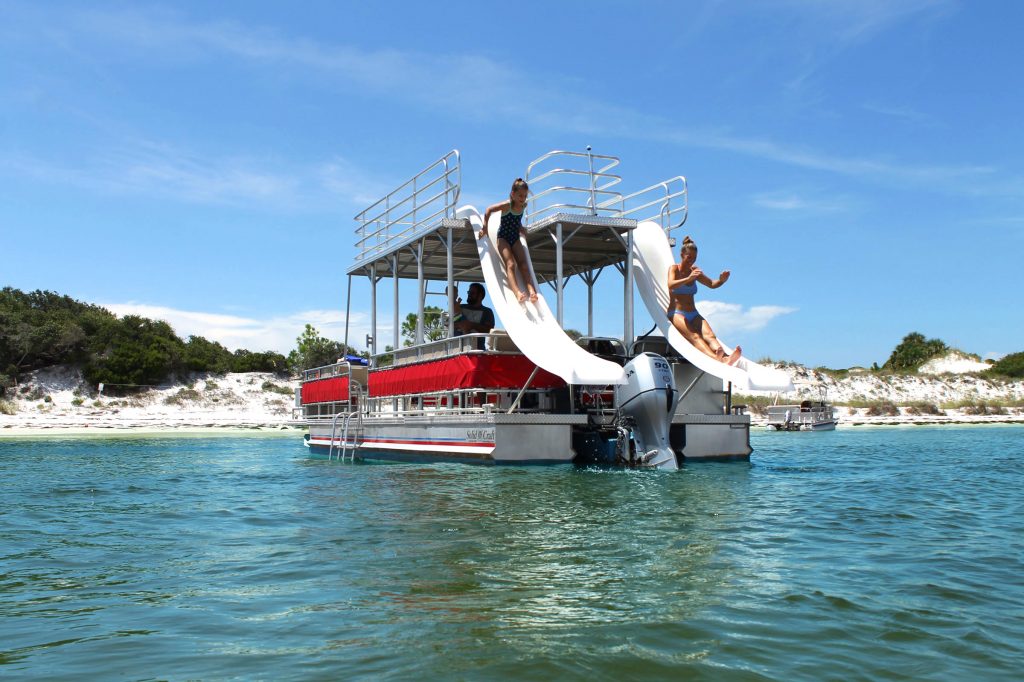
[[919, 408], [77, 402], [211, 385], [275, 388], [982, 408], [183, 395], [32, 393], [882, 408], [7, 407], [1011, 365], [913, 352]]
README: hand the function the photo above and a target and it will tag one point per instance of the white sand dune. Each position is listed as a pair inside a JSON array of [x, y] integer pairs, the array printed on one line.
[[57, 398]]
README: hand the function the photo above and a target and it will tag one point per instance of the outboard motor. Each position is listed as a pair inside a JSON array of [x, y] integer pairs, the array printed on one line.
[[646, 403]]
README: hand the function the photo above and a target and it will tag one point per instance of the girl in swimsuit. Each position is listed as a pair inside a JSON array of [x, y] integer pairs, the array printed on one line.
[[682, 285], [509, 246]]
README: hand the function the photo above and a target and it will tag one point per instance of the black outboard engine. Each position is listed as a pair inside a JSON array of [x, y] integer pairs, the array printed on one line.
[[646, 403]]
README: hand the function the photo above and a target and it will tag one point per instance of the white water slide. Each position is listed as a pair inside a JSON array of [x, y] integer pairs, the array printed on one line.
[[532, 326], [652, 256]]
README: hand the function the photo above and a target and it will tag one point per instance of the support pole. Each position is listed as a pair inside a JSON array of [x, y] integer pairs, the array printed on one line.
[[394, 274], [348, 309], [590, 305], [373, 310], [515, 403], [451, 284], [627, 312], [421, 287], [558, 270]]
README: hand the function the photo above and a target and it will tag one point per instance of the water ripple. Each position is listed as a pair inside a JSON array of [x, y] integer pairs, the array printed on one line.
[[863, 554]]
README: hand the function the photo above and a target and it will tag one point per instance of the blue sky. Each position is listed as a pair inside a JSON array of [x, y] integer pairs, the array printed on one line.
[[857, 165]]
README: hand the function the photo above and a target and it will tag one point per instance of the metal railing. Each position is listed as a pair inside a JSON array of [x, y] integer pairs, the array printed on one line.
[[574, 185], [667, 199], [411, 208], [337, 369], [493, 342], [329, 409], [458, 402]]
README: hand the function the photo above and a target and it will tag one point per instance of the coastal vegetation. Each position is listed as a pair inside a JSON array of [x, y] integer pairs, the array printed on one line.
[[42, 329], [314, 350], [434, 325], [1011, 365], [913, 351]]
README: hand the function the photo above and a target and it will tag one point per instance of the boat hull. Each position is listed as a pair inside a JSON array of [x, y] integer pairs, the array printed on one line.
[[484, 439]]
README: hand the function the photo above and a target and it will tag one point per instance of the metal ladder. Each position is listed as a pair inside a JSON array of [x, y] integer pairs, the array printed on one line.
[[346, 449]]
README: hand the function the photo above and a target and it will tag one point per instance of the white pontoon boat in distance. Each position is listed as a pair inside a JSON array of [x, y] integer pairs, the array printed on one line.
[[526, 393], [809, 415]]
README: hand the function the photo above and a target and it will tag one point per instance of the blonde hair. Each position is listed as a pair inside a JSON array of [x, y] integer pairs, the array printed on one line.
[[688, 245]]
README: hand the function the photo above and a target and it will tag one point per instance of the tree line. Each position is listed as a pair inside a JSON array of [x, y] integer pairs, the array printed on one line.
[[915, 350], [42, 328]]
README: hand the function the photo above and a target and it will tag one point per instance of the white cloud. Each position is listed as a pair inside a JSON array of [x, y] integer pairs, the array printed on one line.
[[788, 201], [555, 103], [148, 168], [255, 334], [729, 318]]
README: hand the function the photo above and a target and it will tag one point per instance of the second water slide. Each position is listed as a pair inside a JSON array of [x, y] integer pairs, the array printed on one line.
[[532, 326], [652, 256]]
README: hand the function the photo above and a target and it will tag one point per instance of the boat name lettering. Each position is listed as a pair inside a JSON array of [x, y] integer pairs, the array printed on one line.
[[484, 435]]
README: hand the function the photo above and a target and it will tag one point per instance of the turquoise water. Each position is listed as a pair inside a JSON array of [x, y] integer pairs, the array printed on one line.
[[869, 553]]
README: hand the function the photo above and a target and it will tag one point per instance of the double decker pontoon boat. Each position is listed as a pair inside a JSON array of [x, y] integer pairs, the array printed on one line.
[[526, 393]]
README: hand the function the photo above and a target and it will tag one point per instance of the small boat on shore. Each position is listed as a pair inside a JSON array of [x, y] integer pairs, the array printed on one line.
[[809, 415]]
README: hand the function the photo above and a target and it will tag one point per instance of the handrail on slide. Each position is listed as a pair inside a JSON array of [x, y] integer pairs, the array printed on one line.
[[532, 326]]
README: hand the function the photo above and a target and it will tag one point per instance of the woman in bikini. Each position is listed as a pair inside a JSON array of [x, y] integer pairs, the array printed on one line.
[[509, 247], [682, 286]]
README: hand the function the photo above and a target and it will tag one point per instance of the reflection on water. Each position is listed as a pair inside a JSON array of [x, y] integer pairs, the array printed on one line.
[[864, 553]]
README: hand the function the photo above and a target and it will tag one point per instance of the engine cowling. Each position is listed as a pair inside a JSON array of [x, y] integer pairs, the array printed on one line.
[[646, 403]]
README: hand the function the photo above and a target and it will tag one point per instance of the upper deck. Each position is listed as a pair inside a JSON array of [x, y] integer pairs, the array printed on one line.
[[412, 232]]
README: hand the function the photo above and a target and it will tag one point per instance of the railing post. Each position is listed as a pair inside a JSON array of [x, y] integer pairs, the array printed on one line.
[[421, 288], [593, 194], [558, 268], [373, 309]]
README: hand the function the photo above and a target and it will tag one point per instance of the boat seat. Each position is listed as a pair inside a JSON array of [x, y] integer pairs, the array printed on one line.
[[501, 341]]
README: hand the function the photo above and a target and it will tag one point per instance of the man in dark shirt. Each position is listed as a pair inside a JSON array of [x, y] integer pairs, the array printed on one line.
[[476, 317]]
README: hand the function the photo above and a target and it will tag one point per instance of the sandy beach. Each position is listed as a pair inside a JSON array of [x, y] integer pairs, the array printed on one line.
[[946, 391], [57, 400]]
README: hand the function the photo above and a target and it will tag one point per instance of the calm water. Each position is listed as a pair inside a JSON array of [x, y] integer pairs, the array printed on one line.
[[885, 553]]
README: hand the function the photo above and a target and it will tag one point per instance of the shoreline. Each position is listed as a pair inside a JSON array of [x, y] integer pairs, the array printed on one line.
[[56, 402], [17, 426]]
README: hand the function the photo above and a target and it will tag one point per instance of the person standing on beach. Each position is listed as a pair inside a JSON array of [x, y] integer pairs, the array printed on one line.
[[682, 286], [511, 249]]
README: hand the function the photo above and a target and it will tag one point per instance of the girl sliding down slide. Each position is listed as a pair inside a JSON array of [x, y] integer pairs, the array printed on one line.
[[509, 246], [682, 286]]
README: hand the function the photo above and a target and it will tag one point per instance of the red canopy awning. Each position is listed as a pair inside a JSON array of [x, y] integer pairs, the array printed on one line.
[[462, 371], [325, 390]]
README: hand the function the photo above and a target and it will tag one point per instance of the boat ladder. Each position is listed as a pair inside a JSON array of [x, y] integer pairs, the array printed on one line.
[[345, 449]]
